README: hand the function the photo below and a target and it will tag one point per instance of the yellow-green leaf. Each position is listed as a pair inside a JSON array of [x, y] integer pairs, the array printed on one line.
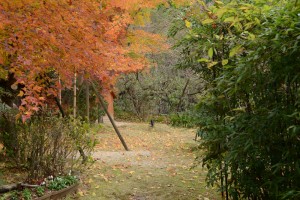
[[244, 8], [207, 21], [219, 37], [220, 12], [229, 19], [257, 20], [235, 50], [188, 24], [219, 2], [225, 62], [3, 72], [238, 26], [251, 36], [211, 64], [203, 60], [210, 52], [248, 25]]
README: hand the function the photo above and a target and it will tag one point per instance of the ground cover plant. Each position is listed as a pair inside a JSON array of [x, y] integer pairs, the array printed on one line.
[[49, 185]]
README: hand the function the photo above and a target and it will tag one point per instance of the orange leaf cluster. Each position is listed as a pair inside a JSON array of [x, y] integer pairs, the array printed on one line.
[[61, 37]]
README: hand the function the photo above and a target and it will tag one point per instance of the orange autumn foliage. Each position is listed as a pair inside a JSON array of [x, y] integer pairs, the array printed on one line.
[[60, 37]]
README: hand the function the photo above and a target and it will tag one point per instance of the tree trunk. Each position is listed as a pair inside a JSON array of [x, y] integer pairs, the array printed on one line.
[[87, 98], [59, 106], [74, 96], [110, 118], [182, 96], [59, 91]]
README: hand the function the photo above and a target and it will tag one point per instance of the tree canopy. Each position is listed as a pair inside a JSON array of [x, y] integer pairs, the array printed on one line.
[[41, 41]]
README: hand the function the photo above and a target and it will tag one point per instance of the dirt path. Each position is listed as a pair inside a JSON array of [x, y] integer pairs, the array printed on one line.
[[157, 167]]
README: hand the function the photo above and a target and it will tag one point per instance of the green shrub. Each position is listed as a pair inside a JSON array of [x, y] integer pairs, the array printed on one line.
[[186, 119], [46, 144], [248, 54], [161, 119], [126, 116]]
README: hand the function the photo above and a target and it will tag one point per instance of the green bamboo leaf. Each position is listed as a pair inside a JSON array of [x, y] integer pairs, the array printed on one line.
[[203, 60], [251, 36], [220, 12], [257, 20], [238, 26], [244, 8], [211, 64], [225, 62], [235, 50], [210, 52], [229, 19], [219, 2], [207, 21], [248, 25]]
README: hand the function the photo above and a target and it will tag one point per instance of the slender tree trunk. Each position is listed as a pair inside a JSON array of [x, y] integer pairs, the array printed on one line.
[[87, 98], [59, 106], [110, 118], [59, 91], [222, 180], [226, 182], [182, 95], [75, 95]]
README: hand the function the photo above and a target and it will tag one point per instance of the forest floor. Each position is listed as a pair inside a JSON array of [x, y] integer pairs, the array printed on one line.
[[159, 166]]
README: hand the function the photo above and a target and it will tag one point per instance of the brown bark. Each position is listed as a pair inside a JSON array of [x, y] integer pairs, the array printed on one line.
[[87, 96], [110, 118]]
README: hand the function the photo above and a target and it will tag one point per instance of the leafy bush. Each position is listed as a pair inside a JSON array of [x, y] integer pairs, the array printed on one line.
[[125, 115], [160, 119], [248, 54], [186, 119], [46, 145]]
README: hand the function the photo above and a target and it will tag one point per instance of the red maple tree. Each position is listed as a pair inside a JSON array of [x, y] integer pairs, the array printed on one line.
[[43, 40]]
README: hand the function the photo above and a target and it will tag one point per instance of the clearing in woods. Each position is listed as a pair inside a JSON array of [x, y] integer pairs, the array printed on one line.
[[159, 165]]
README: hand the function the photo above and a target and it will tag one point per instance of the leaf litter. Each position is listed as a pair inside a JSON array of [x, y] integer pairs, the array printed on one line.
[[157, 167]]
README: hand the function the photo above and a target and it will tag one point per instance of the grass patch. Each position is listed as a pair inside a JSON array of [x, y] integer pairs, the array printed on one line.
[[160, 165]]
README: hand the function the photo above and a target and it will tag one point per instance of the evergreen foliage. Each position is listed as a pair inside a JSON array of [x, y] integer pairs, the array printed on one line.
[[248, 53]]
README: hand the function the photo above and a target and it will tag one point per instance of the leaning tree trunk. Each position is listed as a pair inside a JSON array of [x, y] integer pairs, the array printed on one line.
[[101, 101]]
